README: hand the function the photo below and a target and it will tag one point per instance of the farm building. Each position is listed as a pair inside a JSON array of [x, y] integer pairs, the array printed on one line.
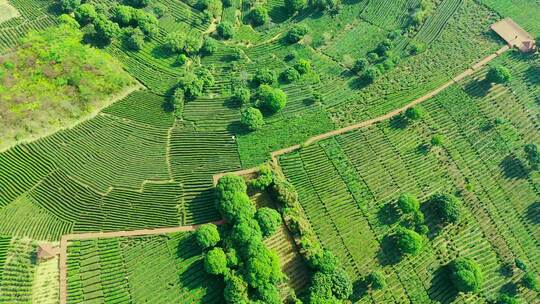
[[514, 35]]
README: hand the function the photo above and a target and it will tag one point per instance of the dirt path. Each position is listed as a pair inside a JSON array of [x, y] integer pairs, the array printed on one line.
[[95, 235], [393, 113]]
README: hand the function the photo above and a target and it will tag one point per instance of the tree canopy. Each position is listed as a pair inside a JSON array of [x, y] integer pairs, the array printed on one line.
[[466, 275], [408, 241], [207, 235], [269, 220], [498, 74], [447, 207], [215, 261], [252, 119], [271, 99]]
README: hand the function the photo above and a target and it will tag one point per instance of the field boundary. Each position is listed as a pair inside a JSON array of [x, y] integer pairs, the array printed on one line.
[[274, 159], [95, 235]]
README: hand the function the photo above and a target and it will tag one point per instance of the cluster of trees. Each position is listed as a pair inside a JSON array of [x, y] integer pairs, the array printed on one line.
[[329, 283], [250, 270], [528, 281], [297, 32], [133, 23], [378, 61], [295, 72], [184, 43], [421, 11], [409, 237], [190, 86], [531, 157]]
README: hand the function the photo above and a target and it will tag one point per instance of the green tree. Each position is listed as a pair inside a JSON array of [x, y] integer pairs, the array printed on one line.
[[466, 275], [193, 43], [507, 299], [210, 46], [269, 294], [303, 66], [269, 220], [237, 207], [252, 119], [69, 6], [294, 6], [498, 74], [290, 74], [230, 183], [532, 155], [160, 9], [225, 30], [192, 86], [376, 280], [360, 65], [175, 41], [408, 241], [123, 14], [241, 96], [85, 13], [529, 281], [447, 208], [138, 3], [236, 289], [206, 76], [246, 231], [135, 39], [263, 268], [215, 261], [437, 140], [297, 32], [272, 99], [408, 203], [106, 30], [214, 7], [259, 16], [207, 235], [414, 113], [264, 76], [371, 74], [69, 21]]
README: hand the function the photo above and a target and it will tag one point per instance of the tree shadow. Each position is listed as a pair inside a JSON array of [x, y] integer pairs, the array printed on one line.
[[388, 214], [513, 167], [229, 103], [532, 75], [237, 128], [533, 213], [185, 249], [161, 52], [423, 149], [195, 278], [399, 122], [431, 220], [388, 253], [441, 289], [477, 89], [357, 83], [360, 290], [509, 288]]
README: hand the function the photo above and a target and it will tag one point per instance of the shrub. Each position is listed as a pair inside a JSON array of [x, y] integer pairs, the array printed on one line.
[[264, 76], [269, 220], [529, 281], [69, 6], [408, 241], [85, 13], [414, 113], [215, 261], [323, 261], [123, 14], [303, 66], [297, 32], [269, 294], [259, 16], [383, 47], [376, 280], [272, 99], [193, 43], [498, 74], [446, 207], [329, 287], [265, 178], [408, 203], [206, 76], [236, 53], [135, 39], [290, 75], [182, 59], [225, 30], [241, 96], [294, 6], [466, 275], [175, 41], [416, 47], [207, 235], [437, 140], [178, 102], [285, 192], [252, 119]]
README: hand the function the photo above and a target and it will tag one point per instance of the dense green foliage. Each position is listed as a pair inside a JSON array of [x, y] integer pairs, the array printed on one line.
[[447, 207], [252, 119], [498, 74], [408, 241], [466, 275], [269, 220], [207, 235], [271, 99], [408, 203]]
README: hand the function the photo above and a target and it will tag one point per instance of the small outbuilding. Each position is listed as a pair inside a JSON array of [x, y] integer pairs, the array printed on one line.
[[47, 252], [514, 35]]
